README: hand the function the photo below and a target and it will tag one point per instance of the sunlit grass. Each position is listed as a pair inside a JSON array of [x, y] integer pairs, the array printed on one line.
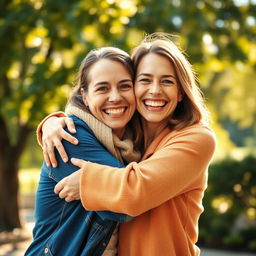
[[28, 180]]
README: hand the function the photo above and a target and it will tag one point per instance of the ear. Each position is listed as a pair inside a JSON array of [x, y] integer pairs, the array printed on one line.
[[84, 97]]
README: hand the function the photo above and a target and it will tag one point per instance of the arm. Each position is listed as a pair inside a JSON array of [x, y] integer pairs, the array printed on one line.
[[88, 149], [50, 132], [177, 166]]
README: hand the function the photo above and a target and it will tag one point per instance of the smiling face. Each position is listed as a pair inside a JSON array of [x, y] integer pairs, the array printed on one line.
[[110, 95], [156, 90]]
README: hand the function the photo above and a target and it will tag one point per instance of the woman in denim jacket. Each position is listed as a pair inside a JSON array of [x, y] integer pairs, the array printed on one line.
[[102, 101]]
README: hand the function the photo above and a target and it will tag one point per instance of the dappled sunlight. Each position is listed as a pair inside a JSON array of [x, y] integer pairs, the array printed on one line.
[[37, 3], [28, 179], [237, 188], [14, 70], [56, 61], [35, 37], [222, 204], [133, 37], [251, 213]]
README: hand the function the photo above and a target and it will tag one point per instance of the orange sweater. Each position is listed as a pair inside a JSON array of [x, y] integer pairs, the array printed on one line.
[[165, 190]]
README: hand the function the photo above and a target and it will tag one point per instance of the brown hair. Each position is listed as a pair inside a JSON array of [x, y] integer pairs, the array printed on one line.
[[83, 80], [191, 109], [111, 53]]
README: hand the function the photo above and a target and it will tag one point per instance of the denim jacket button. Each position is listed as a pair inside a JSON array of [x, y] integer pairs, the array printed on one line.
[[46, 250], [104, 244]]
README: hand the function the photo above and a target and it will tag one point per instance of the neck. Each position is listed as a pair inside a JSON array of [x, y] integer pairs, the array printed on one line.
[[119, 132], [151, 131]]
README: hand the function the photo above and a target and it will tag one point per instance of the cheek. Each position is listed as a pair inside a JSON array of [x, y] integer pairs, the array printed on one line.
[[93, 102], [137, 91]]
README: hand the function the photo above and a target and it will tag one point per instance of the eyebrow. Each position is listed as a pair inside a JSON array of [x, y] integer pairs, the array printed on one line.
[[106, 82], [147, 74], [100, 83], [125, 80]]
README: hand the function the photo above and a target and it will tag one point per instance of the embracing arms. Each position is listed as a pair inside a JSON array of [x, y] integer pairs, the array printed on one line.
[[50, 133], [89, 149], [177, 165]]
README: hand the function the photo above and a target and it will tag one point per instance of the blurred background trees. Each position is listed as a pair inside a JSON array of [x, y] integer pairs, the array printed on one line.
[[43, 42]]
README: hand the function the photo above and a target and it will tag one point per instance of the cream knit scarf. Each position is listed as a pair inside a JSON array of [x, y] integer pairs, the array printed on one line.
[[121, 149]]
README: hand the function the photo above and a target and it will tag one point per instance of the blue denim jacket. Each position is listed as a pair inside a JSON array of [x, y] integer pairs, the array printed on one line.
[[63, 228]]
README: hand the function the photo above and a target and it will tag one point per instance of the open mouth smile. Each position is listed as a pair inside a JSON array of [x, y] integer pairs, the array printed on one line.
[[155, 104], [115, 111]]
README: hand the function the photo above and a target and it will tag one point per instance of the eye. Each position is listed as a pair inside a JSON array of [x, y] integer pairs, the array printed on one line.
[[101, 89], [167, 82], [125, 86], [144, 80]]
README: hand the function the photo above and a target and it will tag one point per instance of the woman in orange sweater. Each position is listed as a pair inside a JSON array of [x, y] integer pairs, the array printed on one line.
[[165, 190]]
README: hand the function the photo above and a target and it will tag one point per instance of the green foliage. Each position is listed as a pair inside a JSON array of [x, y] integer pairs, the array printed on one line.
[[229, 219], [42, 43]]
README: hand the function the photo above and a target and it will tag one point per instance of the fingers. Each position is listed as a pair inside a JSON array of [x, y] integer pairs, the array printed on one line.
[[61, 151], [59, 186], [51, 155], [65, 192], [52, 136], [66, 136], [46, 156], [70, 125], [78, 162], [67, 197]]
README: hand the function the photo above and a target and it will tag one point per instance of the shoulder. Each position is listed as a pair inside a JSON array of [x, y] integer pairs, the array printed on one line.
[[197, 136], [83, 131], [197, 131], [79, 123]]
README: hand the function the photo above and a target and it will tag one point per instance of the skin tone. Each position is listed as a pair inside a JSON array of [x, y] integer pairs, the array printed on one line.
[[110, 95], [110, 98], [157, 95]]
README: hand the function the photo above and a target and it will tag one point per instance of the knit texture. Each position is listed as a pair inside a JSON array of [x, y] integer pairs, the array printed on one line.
[[121, 149]]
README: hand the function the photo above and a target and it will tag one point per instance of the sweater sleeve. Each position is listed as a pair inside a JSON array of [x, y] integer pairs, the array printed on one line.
[[39, 127], [177, 166]]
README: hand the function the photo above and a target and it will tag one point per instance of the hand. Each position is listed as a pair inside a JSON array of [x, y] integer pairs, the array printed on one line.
[[52, 134], [69, 187]]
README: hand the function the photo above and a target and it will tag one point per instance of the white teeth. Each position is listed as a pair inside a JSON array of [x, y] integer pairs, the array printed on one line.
[[115, 110], [154, 103]]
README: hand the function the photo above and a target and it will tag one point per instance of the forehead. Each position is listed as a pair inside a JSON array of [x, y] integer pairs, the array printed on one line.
[[155, 64], [106, 68]]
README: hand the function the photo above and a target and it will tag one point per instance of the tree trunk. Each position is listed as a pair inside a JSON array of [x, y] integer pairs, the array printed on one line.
[[9, 184]]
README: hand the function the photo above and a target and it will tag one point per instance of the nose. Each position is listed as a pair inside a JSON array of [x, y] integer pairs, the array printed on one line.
[[114, 96], [155, 88]]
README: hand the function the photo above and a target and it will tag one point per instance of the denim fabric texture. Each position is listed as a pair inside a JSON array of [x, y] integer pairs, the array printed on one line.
[[65, 229]]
